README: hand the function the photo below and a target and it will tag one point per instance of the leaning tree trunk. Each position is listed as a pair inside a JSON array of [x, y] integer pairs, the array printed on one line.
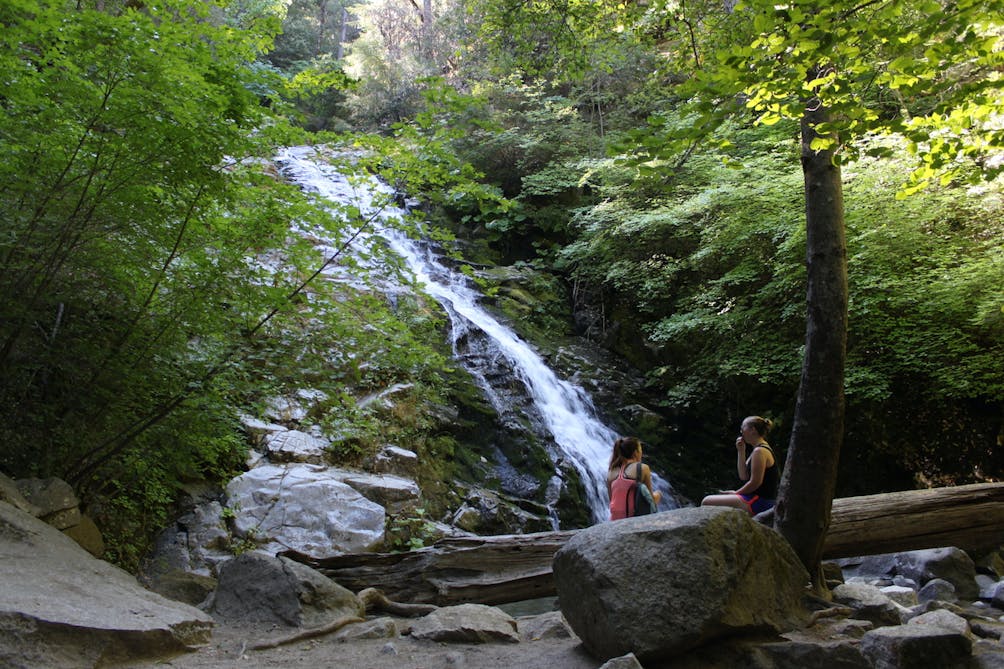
[[808, 484]]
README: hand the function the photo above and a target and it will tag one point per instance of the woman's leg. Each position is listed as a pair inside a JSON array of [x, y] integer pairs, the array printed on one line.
[[729, 499]]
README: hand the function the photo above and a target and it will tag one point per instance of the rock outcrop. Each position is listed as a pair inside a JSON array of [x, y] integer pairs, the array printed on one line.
[[61, 607], [303, 507]]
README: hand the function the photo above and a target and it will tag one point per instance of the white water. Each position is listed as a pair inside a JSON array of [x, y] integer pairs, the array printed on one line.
[[563, 409]]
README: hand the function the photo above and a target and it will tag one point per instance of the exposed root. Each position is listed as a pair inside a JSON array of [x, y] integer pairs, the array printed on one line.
[[832, 612], [374, 600], [333, 626]]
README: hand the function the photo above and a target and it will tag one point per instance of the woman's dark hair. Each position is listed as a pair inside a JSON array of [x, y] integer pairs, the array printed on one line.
[[624, 448], [761, 425]]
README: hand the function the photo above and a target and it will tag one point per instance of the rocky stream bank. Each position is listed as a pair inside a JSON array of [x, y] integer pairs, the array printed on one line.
[[681, 589]]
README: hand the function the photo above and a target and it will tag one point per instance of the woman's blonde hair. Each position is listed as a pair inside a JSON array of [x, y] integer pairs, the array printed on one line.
[[761, 425]]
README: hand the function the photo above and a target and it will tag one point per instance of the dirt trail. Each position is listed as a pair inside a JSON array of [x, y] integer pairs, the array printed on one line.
[[230, 649]]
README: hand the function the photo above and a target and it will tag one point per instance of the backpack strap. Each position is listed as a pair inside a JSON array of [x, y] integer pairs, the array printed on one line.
[[638, 473]]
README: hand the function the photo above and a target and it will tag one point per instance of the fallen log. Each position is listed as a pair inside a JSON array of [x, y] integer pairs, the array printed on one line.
[[485, 570], [970, 517], [516, 567]]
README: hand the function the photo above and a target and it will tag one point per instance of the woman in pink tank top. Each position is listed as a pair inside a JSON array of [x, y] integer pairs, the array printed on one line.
[[622, 474]]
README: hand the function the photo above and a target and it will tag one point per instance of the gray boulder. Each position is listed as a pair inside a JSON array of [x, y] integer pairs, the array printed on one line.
[[901, 594], [88, 535], [466, 623], [937, 590], [295, 446], [196, 543], [55, 499], [916, 647], [662, 584], [304, 508], [61, 607], [944, 620], [997, 595], [628, 661], [10, 493], [395, 460], [254, 587], [257, 430], [869, 603], [550, 625], [950, 564]]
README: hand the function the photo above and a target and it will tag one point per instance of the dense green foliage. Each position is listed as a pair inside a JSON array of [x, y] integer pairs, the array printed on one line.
[[137, 319]]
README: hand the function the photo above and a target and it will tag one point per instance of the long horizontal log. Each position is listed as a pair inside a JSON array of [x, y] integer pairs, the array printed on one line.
[[970, 517], [516, 567]]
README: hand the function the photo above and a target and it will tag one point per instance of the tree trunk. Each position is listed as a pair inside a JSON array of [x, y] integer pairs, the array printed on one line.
[[342, 33], [808, 483]]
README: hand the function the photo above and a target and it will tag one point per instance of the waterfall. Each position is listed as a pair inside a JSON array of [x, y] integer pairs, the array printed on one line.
[[561, 410]]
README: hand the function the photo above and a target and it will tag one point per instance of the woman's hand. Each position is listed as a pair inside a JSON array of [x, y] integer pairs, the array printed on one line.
[[740, 445]]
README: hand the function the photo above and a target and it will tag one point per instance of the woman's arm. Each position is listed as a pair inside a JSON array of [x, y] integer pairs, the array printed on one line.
[[646, 478], [758, 465], [741, 459]]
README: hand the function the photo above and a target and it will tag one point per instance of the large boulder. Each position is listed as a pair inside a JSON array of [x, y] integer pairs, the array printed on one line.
[[61, 607], [304, 508], [662, 584], [254, 587]]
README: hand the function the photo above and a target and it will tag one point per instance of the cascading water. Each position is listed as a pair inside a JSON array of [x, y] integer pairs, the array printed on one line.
[[562, 411]]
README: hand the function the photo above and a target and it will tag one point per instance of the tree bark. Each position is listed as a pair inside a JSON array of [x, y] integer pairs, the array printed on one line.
[[515, 567], [802, 514]]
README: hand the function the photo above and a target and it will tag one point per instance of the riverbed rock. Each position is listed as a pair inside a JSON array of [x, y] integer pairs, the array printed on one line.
[[662, 584], [869, 603], [466, 623], [61, 607], [255, 587], [304, 508], [916, 647], [951, 564], [922, 566], [937, 590]]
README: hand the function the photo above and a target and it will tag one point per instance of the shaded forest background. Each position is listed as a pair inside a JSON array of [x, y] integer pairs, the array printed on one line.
[[141, 317]]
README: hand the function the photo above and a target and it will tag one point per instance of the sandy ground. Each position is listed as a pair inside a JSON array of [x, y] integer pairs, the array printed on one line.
[[230, 647]]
